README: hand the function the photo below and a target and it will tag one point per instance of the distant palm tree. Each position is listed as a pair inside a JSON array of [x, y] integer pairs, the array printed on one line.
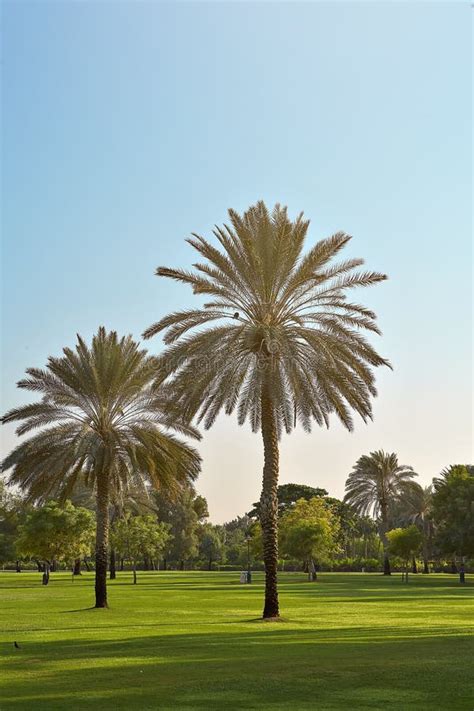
[[375, 483], [101, 423], [417, 506], [286, 345]]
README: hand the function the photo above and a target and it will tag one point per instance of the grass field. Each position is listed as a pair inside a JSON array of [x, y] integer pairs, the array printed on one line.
[[194, 641]]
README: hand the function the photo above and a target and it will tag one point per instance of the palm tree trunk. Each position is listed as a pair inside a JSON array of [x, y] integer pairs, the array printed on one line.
[[269, 504], [386, 561], [101, 541], [112, 567]]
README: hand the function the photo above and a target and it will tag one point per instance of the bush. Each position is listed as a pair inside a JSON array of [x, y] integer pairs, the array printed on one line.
[[354, 565]]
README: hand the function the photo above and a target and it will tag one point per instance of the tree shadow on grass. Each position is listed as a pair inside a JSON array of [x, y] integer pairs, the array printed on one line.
[[264, 668]]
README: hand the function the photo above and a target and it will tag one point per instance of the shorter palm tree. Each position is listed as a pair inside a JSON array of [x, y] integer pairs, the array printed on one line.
[[417, 507], [102, 422], [376, 482]]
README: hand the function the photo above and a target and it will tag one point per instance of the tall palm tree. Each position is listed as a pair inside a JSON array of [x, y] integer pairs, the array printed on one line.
[[101, 422], [376, 482], [418, 509], [284, 344]]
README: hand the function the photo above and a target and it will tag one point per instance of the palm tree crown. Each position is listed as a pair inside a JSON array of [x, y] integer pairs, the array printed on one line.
[[281, 316], [281, 343], [376, 481], [99, 413]]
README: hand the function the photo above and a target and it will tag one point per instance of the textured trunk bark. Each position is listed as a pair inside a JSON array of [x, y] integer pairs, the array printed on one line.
[[77, 567], [269, 503], [102, 540], [112, 569]]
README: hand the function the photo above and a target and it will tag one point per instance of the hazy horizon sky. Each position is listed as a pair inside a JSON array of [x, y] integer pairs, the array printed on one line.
[[128, 125]]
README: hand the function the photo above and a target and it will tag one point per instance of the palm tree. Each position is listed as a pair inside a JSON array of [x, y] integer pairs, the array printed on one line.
[[285, 346], [376, 482], [101, 422], [418, 510]]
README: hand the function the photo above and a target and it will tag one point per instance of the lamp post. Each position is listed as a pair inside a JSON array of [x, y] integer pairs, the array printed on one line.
[[248, 538]]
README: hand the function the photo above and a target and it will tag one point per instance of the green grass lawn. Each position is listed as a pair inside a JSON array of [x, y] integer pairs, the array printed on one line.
[[194, 641]]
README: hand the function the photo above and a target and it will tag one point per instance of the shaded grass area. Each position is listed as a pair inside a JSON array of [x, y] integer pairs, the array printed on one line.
[[195, 641]]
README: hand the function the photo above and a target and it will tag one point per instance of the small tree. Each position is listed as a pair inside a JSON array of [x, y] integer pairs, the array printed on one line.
[[183, 514], [137, 536], [211, 545], [54, 532], [309, 531], [405, 543]]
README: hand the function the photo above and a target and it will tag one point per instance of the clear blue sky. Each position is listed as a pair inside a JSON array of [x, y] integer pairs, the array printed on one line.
[[128, 125]]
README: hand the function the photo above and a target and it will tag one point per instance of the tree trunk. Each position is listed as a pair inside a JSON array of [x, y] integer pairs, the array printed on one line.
[[164, 564], [406, 571], [426, 568], [414, 568], [77, 567], [40, 566], [121, 563], [86, 563], [102, 540], [17, 567], [462, 572], [134, 573], [312, 575], [269, 502], [210, 564], [45, 579], [386, 561], [112, 565]]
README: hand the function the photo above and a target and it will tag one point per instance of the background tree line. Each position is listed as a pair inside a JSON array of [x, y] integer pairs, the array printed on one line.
[[414, 527]]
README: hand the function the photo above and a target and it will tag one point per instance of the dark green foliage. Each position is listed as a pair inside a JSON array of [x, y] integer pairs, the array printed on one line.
[[288, 495], [453, 510]]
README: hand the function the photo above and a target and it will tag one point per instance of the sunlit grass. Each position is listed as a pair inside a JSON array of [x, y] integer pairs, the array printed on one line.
[[195, 640]]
